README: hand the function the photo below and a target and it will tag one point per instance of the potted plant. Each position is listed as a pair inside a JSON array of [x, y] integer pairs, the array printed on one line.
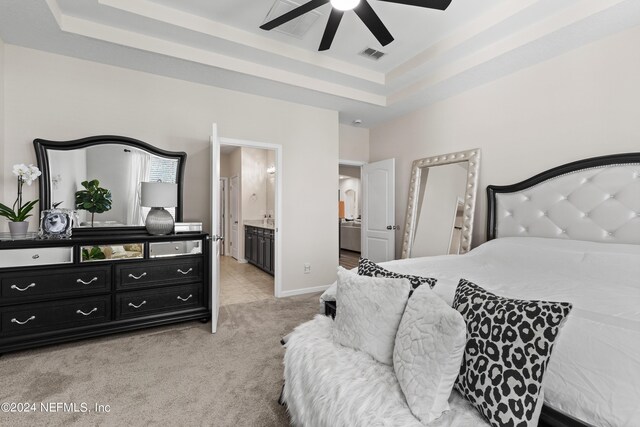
[[19, 212], [93, 198]]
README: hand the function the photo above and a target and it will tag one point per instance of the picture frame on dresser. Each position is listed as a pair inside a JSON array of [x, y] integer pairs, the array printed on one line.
[[56, 224]]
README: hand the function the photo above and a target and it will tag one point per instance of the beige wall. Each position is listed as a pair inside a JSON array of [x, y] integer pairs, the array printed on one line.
[[235, 169], [581, 104], [224, 165], [2, 130], [271, 184], [56, 97], [354, 143]]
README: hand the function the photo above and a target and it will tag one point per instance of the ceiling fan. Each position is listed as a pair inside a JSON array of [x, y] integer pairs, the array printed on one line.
[[361, 7]]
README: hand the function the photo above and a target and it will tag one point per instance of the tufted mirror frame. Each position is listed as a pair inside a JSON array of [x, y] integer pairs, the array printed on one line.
[[42, 145], [473, 157]]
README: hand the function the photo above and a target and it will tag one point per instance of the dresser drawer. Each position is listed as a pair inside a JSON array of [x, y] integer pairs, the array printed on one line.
[[12, 258], [152, 273], [24, 286], [168, 249], [32, 318], [174, 298]]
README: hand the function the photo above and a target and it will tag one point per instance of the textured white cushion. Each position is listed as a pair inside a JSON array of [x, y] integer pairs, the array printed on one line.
[[428, 352], [369, 313]]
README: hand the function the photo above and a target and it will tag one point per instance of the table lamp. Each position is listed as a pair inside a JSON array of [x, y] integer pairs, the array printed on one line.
[[157, 196]]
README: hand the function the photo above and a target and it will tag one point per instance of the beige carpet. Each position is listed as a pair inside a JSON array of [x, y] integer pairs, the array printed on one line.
[[179, 375]]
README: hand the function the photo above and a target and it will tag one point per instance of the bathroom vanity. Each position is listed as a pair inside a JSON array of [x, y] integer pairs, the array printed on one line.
[[259, 245]]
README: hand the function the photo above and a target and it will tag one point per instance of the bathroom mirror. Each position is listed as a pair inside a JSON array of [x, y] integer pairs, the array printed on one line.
[[441, 204], [119, 163]]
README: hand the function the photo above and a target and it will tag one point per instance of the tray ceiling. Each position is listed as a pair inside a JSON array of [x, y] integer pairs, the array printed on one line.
[[435, 55]]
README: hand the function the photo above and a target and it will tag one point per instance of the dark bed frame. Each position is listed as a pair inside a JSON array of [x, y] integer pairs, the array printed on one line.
[[550, 417]]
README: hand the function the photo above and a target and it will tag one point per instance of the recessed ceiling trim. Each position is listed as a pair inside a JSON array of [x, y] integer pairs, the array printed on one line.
[[127, 38], [464, 34], [212, 28], [556, 22]]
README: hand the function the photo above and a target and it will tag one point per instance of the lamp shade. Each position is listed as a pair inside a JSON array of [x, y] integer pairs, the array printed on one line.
[[159, 194]]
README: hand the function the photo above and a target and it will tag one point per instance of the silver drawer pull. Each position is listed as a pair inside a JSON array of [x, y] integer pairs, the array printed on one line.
[[23, 289], [36, 256], [86, 314], [185, 299], [14, 320], [137, 306], [87, 283], [138, 277], [185, 272]]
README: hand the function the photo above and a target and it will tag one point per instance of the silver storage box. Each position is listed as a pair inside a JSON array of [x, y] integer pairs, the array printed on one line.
[[187, 227], [168, 249], [35, 256]]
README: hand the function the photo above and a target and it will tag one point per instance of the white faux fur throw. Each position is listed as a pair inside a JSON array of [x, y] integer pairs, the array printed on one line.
[[328, 385]]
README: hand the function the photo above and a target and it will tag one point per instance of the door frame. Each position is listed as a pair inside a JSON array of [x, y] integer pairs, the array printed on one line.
[[225, 213], [277, 276], [362, 207], [236, 235]]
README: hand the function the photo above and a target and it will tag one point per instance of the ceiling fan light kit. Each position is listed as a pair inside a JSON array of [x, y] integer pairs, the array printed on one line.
[[344, 5], [363, 10]]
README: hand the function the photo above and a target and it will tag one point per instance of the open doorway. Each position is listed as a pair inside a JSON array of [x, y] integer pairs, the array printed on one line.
[[350, 213], [248, 268]]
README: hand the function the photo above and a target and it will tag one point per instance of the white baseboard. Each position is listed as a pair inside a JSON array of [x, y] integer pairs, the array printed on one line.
[[303, 291]]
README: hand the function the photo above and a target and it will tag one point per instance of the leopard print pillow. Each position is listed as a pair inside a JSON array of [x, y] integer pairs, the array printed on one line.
[[367, 267], [508, 348]]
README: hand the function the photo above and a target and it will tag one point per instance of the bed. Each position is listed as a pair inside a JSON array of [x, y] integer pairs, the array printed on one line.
[[568, 234]]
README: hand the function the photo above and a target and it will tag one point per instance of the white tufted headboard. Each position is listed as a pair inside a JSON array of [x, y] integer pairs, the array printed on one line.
[[596, 199]]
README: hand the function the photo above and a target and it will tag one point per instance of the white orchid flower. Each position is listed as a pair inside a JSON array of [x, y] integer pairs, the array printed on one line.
[[32, 174], [20, 169]]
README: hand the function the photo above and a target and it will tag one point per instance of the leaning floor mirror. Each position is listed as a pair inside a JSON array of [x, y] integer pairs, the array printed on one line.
[[442, 198]]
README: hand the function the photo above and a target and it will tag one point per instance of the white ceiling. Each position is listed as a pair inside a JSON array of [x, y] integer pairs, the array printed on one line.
[[435, 54]]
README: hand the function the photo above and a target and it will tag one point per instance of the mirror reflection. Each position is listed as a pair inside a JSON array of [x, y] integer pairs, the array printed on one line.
[[119, 168], [439, 221], [439, 211]]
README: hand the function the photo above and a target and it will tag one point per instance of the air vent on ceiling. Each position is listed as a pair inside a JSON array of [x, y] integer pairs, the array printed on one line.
[[372, 54], [297, 27]]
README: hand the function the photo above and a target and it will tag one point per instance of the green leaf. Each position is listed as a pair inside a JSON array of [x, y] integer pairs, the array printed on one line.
[[94, 199]]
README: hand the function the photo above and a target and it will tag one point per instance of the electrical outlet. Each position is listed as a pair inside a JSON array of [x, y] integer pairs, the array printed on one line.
[[307, 268]]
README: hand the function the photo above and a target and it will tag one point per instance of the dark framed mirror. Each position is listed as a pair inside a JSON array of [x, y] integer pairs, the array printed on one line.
[[120, 164]]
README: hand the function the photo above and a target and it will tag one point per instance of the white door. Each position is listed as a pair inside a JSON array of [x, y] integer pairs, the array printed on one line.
[[215, 220], [234, 198], [378, 216]]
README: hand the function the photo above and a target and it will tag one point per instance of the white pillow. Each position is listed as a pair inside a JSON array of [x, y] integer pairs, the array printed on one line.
[[369, 312], [428, 353]]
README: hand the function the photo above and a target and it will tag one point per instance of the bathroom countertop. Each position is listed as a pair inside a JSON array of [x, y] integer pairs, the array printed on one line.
[[260, 223]]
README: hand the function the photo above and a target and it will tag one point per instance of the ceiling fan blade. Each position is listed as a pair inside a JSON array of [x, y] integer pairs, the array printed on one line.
[[331, 28], [431, 4], [366, 13], [292, 14]]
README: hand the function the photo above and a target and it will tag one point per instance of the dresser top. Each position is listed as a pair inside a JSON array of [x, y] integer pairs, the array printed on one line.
[[85, 238]]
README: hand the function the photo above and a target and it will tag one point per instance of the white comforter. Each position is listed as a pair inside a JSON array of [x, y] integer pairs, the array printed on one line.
[[594, 372]]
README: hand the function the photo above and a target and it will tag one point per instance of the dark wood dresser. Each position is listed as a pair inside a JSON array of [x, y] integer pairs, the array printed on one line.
[[53, 291]]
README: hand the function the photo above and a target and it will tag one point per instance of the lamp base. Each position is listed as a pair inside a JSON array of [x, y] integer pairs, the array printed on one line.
[[159, 222]]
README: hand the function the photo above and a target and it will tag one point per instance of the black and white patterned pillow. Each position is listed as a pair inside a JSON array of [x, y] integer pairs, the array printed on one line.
[[508, 348], [367, 267]]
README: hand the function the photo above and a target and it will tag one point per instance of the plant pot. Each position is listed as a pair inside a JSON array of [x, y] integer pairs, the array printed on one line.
[[18, 229]]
